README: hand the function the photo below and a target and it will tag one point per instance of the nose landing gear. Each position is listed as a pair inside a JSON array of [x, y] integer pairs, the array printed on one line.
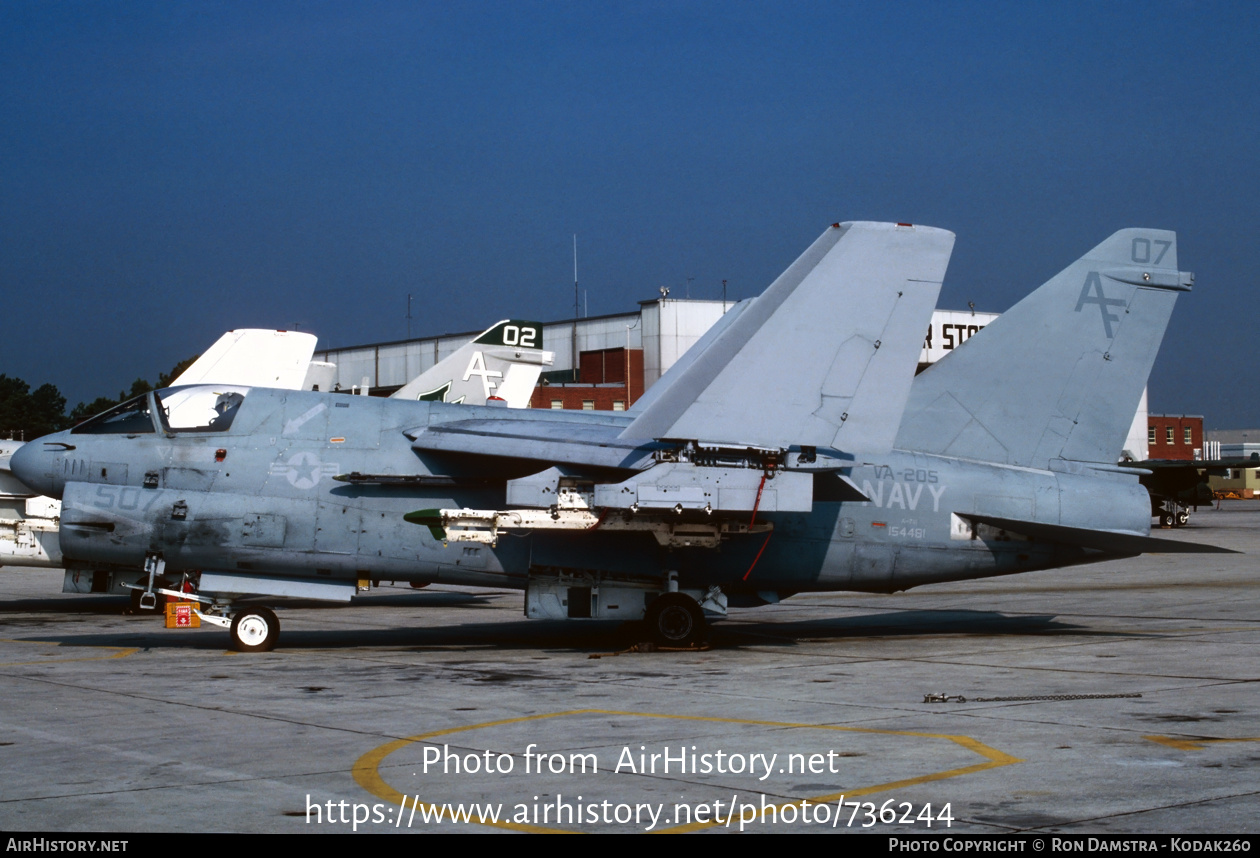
[[255, 630]]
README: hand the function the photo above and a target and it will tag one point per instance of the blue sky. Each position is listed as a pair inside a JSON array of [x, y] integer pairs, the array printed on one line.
[[172, 170]]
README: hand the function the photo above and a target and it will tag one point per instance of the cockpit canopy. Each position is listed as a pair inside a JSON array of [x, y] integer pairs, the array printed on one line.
[[200, 408], [195, 408]]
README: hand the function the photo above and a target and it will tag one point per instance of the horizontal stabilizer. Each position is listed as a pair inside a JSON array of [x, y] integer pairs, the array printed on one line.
[[1109, 542], [824, 357]]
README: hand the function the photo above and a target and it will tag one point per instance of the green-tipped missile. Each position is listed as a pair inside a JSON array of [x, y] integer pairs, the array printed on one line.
[[430, 518]]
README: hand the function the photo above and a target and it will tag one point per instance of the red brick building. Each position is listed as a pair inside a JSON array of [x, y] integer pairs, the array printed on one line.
[[1175, 436], [601, 384]]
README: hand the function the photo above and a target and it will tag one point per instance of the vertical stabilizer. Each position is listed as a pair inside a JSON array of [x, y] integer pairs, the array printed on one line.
[[824, 357], [1060, 374], [504, 362]]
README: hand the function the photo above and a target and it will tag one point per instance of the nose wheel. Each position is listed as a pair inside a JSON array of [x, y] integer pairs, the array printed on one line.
[[255, 630]]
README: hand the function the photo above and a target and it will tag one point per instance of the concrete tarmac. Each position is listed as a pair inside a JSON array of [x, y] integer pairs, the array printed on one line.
[[410, 702]]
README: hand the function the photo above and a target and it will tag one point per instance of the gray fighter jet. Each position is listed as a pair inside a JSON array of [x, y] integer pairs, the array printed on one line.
[[791, 449], [502, 365]]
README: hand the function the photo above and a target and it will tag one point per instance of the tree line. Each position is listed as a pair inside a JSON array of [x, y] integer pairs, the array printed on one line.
[[26, 414]]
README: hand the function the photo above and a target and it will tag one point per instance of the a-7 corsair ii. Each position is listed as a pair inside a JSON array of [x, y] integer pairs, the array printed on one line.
[[791, 449]]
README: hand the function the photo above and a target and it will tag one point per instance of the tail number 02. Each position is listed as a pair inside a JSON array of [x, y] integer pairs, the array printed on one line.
[[518, 336]]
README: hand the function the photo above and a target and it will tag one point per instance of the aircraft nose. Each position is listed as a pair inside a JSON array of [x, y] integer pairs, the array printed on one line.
[[32, 464]]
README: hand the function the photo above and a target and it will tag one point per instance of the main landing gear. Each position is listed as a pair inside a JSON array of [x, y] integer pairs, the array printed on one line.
[[1173, 515], [675, 620]]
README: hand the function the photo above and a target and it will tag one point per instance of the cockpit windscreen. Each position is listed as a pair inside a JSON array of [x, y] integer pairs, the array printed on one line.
[[130, 418]]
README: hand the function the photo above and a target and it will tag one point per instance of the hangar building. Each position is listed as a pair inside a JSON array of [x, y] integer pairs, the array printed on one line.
[[607, 362]]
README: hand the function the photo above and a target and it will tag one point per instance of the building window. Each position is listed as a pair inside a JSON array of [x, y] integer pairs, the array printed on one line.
[[1168, 436], [588, 404], [618, 405], [557, 404], [1150, 435], [1189, 438]]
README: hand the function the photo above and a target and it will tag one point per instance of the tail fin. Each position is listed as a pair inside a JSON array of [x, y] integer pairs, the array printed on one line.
[[824, 357], [1060, 374], [504, 362]]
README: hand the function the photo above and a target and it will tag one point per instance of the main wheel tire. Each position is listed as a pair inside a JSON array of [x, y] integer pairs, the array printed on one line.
[[674, 619], [1165, 519], [255, 630], [1183, 518]]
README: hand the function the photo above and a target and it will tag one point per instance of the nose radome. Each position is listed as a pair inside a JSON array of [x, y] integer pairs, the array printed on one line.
[[31, 463]]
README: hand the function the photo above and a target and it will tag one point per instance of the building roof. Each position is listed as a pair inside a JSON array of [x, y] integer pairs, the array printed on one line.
[[1234, 436]]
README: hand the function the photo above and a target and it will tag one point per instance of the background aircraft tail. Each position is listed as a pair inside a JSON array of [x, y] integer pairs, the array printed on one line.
[[824, 357], [1059, 375], [505, 361]]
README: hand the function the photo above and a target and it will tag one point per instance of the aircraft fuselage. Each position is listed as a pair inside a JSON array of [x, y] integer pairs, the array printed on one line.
[[259, 498]]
